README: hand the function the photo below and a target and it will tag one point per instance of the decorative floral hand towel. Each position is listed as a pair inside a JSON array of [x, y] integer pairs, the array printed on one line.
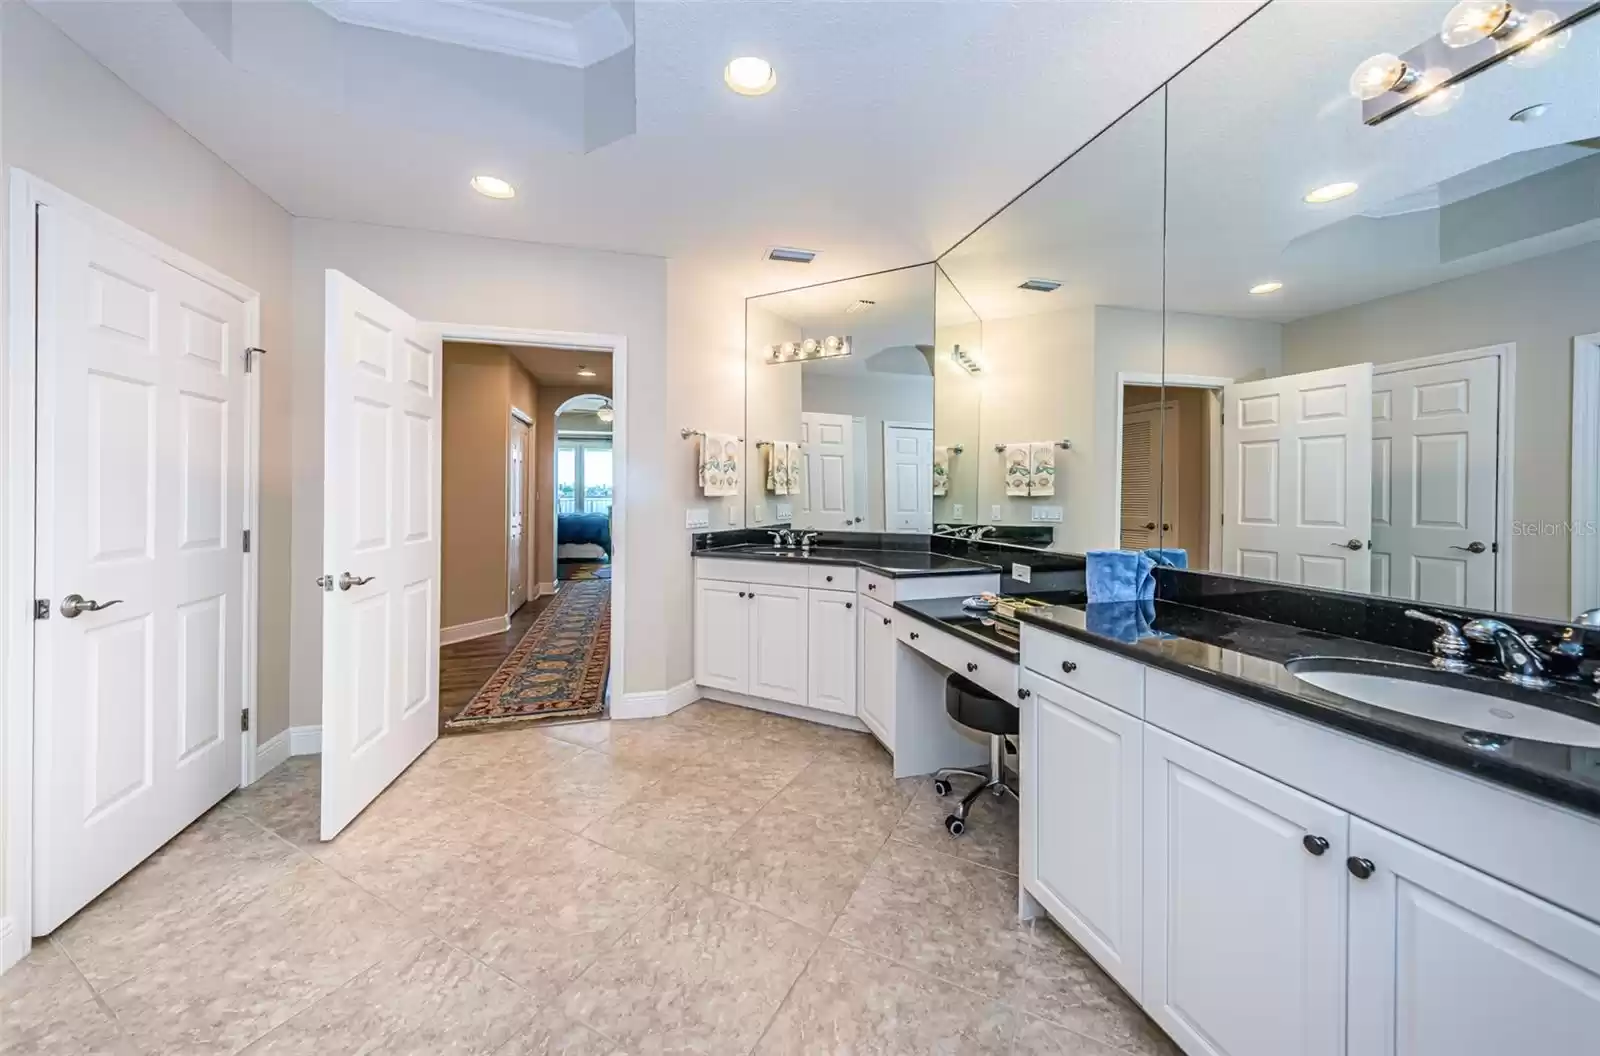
[[1018, 471], [1042, 469], [941, 472], [719, 465], [794, 460], [777, 468]]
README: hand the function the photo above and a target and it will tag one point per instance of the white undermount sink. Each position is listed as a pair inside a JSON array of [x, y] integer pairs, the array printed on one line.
[[1416, 692]]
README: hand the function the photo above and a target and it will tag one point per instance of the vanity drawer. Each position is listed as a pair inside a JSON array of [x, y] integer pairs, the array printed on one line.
[[832, 577], [997, 675], [879, 588], [1093, 672], [779, 572]]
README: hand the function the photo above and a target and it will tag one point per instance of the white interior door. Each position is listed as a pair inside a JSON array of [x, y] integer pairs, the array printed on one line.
[[827, 441], [907, 478], [1435, 436], [1297, 478], [516, 505], [380, 545], [142, 413]]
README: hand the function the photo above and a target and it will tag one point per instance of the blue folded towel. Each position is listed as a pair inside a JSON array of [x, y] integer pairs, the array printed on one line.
[[1120, 575], [1126, 621], [1171, 556]]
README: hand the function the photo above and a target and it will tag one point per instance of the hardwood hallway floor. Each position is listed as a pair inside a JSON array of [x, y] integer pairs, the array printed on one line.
[[465, 666]]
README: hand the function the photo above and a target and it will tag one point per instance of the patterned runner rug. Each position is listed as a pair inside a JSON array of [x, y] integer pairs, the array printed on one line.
[[559, 667]]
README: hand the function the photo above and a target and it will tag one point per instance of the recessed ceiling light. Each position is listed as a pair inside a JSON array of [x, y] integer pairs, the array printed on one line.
[[493, 187], [1040, 285], [749, 75], [585, 372], [1331, 193], [1266, 287], [1529, 113]]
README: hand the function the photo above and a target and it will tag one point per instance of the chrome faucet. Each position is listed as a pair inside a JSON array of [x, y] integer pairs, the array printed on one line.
[[783, 537], [1450, 649], [1587, 618], [1522, 664], [980, 531], [806, 539]]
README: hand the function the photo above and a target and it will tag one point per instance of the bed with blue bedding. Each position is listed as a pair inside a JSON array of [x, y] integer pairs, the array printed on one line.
[[579, 528]]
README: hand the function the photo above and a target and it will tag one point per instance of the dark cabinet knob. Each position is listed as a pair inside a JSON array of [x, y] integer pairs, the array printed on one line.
[[1315, 845], [872, 586], [1166, 527], [741, 593], [1360, 868], [913, 636], [1024, 694], [886, 621], [972, 667], [1068, 666], [849, 604], [830, 579]]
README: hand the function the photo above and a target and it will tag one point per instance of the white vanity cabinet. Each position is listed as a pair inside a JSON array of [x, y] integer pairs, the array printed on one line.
[[833, 651], [722, 635], [876, 705], [752, 638]]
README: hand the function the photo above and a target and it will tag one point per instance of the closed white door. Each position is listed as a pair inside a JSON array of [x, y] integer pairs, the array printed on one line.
[[1149, 475], [380, 547], [140, 511], [876, 706], [1298, 478], [1244, 888], [831, 678], [1445, 961], [1082, 822], [779, 631], [516, 505], [827, 444], [1435, 437], [908, 478], [722, 635]]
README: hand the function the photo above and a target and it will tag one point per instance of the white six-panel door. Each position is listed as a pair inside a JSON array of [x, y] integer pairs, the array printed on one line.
[[140, 504], [516, 499], [907, 478], [1435, 435], [380, 639], [828, 498], [1297, 478]]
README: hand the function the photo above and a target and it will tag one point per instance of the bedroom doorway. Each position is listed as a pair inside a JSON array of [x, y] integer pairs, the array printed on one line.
[[584, 487]]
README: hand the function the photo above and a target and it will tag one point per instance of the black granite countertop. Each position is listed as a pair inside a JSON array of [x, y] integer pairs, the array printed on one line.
[[896, 564], [1247, 657], [978, 628]]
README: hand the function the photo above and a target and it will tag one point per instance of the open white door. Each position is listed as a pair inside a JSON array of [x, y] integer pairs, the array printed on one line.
[[142, 412], [907, 478], [828, 498], [1298, 478], [380, 545], [516, 500]]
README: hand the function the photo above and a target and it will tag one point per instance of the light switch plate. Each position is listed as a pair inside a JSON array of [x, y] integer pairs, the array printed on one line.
[[958, 511], [733, 515], [995, 513], [760, 514], [1047, 513], [785, 511], [696, 519], [1021, 573]]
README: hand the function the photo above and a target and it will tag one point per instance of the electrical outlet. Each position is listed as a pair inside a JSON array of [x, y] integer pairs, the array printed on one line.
[[697, 519], [995, 513], [1021, 573], [958, 511]]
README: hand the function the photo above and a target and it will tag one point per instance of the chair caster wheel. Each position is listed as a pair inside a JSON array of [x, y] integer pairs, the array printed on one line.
[[941, 787], [954, 825]]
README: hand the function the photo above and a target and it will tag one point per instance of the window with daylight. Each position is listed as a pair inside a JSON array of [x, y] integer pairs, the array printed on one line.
[[583, 475]]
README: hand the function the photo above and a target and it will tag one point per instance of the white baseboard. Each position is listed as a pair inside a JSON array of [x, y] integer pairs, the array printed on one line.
[[778, 707], [546, 589], [462, 632], [14, 943], [271, 753], [305, 740], [655, 704]]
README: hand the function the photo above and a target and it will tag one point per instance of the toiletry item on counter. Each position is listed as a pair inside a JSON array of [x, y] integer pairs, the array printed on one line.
[[719, 464], [1042, 468]]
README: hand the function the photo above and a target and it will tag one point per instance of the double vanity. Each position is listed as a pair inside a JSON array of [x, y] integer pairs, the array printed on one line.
[[1266, 834]]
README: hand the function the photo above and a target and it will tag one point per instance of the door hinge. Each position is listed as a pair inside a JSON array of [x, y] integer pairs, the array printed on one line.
[[250, 355], [244, 720], [1494, 548], [41, 608], [247, 540]]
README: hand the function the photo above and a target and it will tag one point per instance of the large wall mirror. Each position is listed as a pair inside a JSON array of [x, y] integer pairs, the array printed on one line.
[[1376, 335], [839, 405], [1065, 287]]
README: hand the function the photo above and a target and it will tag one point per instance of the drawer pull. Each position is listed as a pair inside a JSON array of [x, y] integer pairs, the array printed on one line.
[[872, 586], [741, 593], [971, 667], [1315, 845], [830, 579], [1068, 666]]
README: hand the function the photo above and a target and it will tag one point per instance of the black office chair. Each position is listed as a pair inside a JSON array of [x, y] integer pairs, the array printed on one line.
[[976, 708]]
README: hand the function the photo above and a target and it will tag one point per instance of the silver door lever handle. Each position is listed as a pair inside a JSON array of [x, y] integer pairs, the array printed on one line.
[[346, 580], [75, 605]]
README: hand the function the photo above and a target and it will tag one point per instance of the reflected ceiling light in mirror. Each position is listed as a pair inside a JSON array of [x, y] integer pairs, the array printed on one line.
[[1331, 193], [966, 360], [749, 75], [1381, 73], [1040, 285], [493, 187], [830, 347], [1535, 43], [606, 413], [585, 372], [1263, 288], [1436, 95], [1473, 20]]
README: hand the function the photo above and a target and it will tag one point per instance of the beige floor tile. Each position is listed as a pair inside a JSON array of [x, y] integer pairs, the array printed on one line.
[[939, 915], [309, 934], [864, 792], [595, 735], [285, 800], [477, 761], [991, 835], [848, 1001], [701, 974], [664, 745], [553, 1034], [672, 827], [427, 999], [47, 1007], [749, 767], [1035, 1037], [796, 865], [575, 794]]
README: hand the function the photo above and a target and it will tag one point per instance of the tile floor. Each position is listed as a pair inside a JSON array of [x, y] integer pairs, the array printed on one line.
[[720, 881]]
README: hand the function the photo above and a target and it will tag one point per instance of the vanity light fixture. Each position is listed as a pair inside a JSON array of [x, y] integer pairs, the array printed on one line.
[[749, 75], [585, 372], [1330, 193], [830, 347], [1381, 73], [1538, 41], [606, 413], [493, 187], [1261, 288], [1040, 285], [1437, 92]]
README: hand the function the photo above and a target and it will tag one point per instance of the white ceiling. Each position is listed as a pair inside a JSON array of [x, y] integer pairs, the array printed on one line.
[[894, 129]]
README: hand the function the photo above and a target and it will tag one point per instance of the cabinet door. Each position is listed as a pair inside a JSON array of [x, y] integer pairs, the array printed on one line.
[[1244, 928], [722, 635], [831, 681], [876, 706], [1082, 792], [1445, 961], [779, 630]]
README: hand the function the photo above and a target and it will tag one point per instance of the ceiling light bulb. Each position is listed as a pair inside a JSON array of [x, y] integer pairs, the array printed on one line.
[[749, 75], [1473, 20], [809, 347], [1381, 73], [1436, 100], [493, 187], [1266, 287], [1330, 193], [606, 414], [833, 345], [585, 372], [1544, 44]]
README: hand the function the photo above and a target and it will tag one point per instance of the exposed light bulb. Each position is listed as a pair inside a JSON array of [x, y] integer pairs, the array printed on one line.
[[809, 347], [833, 345], [749, 75], [1473, 20], [1542, 44], [1435, 99], [1330, 193], [1381, 73]]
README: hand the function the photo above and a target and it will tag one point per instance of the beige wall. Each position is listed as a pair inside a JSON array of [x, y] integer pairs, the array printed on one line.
[[1540, 305], [772, 406], [551, 397]]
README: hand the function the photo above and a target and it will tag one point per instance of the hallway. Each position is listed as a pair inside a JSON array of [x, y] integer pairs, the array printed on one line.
[[465, 666]]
